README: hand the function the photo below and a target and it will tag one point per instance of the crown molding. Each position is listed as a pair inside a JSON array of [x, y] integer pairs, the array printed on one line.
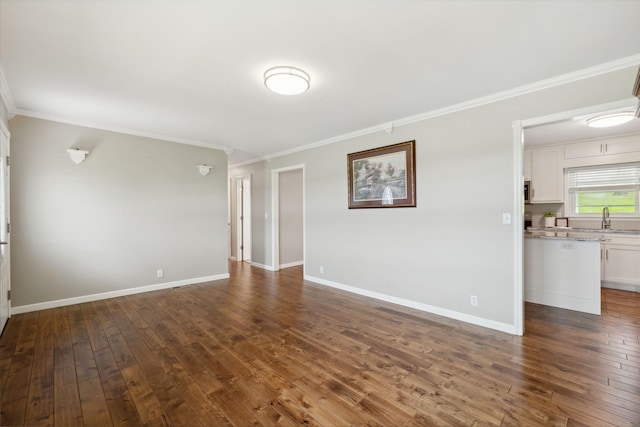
[[580, 112], [562, 79], [54, 118], [5, 94]]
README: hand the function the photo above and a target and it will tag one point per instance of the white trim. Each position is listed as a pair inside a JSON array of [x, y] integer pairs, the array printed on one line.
[[564, 115], [486, 323], [5, 94], [106, 295], [291, 264], [518, 245], [238, 222], [232, 258], [562, 79], [55, 118], [262, 266], [4, 129]]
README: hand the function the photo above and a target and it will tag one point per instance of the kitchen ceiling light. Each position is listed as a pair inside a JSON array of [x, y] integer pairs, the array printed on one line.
[[286, 80], [609, 120]]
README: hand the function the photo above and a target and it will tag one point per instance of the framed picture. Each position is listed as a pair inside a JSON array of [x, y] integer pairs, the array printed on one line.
[[383, 177], [562, 222]]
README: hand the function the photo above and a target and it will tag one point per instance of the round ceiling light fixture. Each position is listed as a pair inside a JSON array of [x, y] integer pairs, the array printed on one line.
[[286, 80], [609, 120]]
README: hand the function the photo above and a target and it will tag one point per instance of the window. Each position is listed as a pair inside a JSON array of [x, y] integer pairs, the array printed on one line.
[[616, 186]]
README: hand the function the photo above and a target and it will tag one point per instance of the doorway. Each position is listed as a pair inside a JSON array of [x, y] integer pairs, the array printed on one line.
[[288, 217], [522, 129], [5, 274]]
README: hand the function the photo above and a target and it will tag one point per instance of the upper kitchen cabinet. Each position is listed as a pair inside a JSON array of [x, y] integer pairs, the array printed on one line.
[[619, 149], [545, 172]]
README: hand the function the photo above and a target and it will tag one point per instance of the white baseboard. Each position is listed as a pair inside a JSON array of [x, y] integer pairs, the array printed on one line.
[[262, 266], [106, 295], [480, 321], [291, 264], [620, 286], [232, 258]]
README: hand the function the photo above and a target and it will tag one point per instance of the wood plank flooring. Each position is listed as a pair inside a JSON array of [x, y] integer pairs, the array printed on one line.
[[263, 348]]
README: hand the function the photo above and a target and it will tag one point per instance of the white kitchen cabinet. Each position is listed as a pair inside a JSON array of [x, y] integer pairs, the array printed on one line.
[[621, 257], [526, 170], [603, 148], [546, 175], [562, 273]]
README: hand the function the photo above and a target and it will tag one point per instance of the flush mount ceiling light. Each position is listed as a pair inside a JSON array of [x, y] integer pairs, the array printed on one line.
[[286, 80], [609, 120]]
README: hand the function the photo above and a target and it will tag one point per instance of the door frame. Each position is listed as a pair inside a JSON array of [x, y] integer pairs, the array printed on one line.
[[275, 215], [4, 293]]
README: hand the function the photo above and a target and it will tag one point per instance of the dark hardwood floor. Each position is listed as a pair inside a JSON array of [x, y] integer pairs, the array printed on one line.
[[263, 349]]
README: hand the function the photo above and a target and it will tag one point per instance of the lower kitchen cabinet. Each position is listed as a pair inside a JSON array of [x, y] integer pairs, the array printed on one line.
[[562, 273], [621, 263]]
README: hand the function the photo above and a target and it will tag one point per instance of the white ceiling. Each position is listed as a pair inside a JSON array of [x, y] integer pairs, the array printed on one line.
[[191, 71], [576, 128]]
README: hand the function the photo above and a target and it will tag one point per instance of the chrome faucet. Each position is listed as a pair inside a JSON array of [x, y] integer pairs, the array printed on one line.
[[606, 221]]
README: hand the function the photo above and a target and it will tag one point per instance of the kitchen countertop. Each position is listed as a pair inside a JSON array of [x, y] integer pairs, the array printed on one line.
[[577, 233], [566, 234]]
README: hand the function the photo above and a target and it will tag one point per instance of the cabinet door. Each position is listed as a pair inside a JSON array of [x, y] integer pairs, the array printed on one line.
[[583, 149], [622, 264], [526, 167], [546, 175], [622, 146]]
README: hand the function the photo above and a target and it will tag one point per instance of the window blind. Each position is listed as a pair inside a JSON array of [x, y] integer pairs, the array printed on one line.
[[605, 178]]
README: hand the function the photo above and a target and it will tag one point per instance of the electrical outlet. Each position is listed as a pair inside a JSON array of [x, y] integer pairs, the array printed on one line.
[[474, 300], [322, 269], [159, 273]]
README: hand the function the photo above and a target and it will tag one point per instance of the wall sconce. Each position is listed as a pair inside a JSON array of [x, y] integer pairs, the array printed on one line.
[[204, 169], [76, 155]]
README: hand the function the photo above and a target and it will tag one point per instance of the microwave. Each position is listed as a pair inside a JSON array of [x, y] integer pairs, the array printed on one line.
[[527, 191]]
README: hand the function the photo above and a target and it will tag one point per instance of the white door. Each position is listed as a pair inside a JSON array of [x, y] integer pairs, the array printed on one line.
[[243, 216], [246, 220], [5, 276]]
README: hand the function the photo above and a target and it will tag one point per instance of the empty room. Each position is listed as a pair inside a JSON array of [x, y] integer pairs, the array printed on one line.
[[385, 213]]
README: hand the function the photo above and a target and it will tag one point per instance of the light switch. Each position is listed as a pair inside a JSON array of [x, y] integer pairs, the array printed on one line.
[[506, 218]]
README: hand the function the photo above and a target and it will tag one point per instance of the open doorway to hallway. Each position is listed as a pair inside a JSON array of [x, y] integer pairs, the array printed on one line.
[[288, 217]]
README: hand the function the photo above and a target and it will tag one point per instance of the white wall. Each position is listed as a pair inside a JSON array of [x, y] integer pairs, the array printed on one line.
[[290, 210], [453, 244], [134, 206]]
